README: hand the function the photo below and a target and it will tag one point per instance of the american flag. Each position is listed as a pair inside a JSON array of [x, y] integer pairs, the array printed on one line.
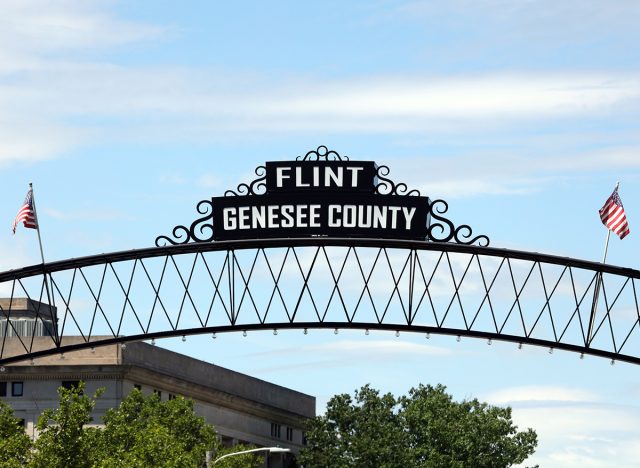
[[27, 214], [613, 216]]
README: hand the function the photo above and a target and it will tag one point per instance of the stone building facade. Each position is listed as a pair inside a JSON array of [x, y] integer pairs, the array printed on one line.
[[242, 408]]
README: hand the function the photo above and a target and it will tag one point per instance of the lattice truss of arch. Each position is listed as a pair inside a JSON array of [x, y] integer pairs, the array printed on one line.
[[440, 291]]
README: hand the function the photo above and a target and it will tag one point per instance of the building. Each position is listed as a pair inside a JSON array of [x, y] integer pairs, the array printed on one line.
[[20, 316], [243, 409]]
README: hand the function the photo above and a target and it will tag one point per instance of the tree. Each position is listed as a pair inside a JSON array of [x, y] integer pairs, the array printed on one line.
[[14, 442], [149, 432], [425, 428], [443, 432], [64, 441], [141, 432]]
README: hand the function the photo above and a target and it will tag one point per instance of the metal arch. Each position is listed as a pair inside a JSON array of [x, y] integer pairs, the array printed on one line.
[[150, 252], [410, 294]]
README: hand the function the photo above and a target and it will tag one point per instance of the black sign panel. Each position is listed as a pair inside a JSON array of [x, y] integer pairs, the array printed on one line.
[[305, 176], [321, 194], [276, 215]]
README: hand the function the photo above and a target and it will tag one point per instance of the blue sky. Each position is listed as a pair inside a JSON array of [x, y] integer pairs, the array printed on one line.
[[523, 115]]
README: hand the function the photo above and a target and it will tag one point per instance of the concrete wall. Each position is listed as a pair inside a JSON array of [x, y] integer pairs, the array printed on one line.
[[22, 307], [40, 392], [241, 407], [223, 380], [103, 355]]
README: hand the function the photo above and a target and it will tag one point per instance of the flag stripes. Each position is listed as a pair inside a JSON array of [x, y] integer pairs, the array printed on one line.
[[26, 215], [613, 216]]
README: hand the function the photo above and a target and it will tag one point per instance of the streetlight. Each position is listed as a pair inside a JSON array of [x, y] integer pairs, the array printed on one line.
[[242, 452]]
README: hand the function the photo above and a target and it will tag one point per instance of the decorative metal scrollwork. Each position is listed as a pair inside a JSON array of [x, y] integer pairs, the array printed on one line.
[[388, 187], [447, 230], [322, 154], [201, 230], [257, 187], [438, 228]]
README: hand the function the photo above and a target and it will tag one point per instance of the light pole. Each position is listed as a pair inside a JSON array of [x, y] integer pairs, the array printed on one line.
[[261, 449]]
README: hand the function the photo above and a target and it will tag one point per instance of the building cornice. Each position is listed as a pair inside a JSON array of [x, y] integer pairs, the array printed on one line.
[[155, 379], [207, 394], [62, 372]]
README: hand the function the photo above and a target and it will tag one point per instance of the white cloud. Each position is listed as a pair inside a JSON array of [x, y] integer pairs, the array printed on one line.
[[358, 348], [469, 97], [173, 179], [33, 27], [384, 347], [346, 353], [183, 104], [39, 42], [397, 103], [588, 435], [17, 254], [210, 180], [36, 140], [539, 23], [173, 103], [575, 427], [501, 172], [68, 96], [539, 393]]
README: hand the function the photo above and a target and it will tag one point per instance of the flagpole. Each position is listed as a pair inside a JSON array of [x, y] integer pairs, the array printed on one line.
[[35, 212], [54, 320], [596, 292]]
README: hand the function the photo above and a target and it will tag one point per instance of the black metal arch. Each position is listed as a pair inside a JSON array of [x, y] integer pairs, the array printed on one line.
[[377, 284]]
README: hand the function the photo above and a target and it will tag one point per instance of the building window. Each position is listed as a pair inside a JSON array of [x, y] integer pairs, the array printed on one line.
[[16, 388], [3, 389], [275, 430], [304, 439], [70, 384], [22, 423], [158, 393], [289, 433], [172, 396], [137, 387]]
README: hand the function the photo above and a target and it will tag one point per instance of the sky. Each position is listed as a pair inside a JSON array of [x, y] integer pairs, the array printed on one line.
[[523, 115]]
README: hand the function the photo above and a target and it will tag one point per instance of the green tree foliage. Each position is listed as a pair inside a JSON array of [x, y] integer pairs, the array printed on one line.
[[14, 442], [425, 428], [141, 432], [64, 441], [149, 432]]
